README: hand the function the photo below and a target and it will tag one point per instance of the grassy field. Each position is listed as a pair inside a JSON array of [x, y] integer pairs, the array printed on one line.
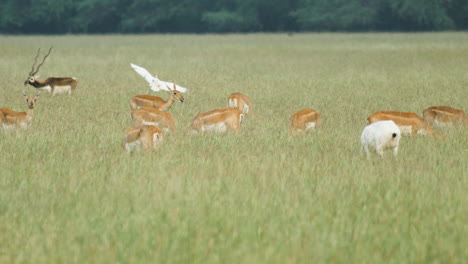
[[69, 193]]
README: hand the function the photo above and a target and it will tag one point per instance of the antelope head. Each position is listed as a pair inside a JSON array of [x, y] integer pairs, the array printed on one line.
[[175, 95], [31, 100], [32, 74]]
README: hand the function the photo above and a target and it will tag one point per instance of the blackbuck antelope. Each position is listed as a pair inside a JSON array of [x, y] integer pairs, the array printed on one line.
[[155, 117], [219, 120], [53, 85], [240, 102], [304, 120], [409, 123], [12, 120], [140, 101], [444, 116], [144, 137]]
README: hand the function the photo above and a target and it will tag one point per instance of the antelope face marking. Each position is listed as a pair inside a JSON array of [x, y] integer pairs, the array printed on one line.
[[31, 101], [177, 96], [31, 80]]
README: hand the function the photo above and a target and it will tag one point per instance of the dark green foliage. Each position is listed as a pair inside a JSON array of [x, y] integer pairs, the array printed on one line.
[[146, 16]]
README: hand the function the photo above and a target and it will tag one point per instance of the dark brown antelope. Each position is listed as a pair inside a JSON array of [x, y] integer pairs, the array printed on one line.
[[53, 85]]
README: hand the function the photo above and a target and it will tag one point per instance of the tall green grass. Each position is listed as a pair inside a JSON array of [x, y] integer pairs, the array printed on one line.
[[69, 193]]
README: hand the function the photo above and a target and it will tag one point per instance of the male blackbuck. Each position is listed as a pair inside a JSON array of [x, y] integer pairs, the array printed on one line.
[[144, 137], [53, 85], [12, 120], [152, 116], [444, 116], [240, 102], [155, 101], [409, 123], [219, 120], [304, 120]]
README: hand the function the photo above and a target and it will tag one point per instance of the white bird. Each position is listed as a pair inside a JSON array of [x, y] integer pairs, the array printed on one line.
[[154, 83]]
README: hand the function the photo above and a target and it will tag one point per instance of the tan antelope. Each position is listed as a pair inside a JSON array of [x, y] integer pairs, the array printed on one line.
[[53, 85], [155, 101], [240, 102], [12, 120], [409, 123], [219, 120], [444, 116], [152, 116], [144, 137], [304, 120]]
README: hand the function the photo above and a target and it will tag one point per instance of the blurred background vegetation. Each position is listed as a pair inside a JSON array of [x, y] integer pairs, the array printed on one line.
[[198, 16]]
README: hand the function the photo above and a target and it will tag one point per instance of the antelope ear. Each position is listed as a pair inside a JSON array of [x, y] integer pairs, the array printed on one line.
[[25, 96], [175, 86], [168, 87], [37, 95]]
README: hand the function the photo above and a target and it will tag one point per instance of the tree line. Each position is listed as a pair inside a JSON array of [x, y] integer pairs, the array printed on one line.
[[198, 16]]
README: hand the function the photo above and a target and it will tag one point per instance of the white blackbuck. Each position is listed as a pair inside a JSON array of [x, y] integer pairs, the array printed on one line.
[[219, 120], [155, 117], [444, 116], [409, 123], [304, 120], [53, 85], [144, 137], [379, 136], [240, 102], [12, 120], [140, 101]]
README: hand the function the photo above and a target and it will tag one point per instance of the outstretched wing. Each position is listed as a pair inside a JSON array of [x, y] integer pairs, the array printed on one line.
[[171, 85], [153, 82]]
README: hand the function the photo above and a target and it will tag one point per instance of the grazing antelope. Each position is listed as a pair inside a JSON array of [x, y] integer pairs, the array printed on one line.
[[380, 136], [155, 101], [11, 120], [304, 120], [444, 116], [53, 85], [144, 137], [409, 123], [219, 120], [155, 117], [240, 102]]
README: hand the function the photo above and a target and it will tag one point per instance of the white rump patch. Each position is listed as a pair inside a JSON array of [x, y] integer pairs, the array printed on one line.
[[246, 109], [232, 103], [310, 125]]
